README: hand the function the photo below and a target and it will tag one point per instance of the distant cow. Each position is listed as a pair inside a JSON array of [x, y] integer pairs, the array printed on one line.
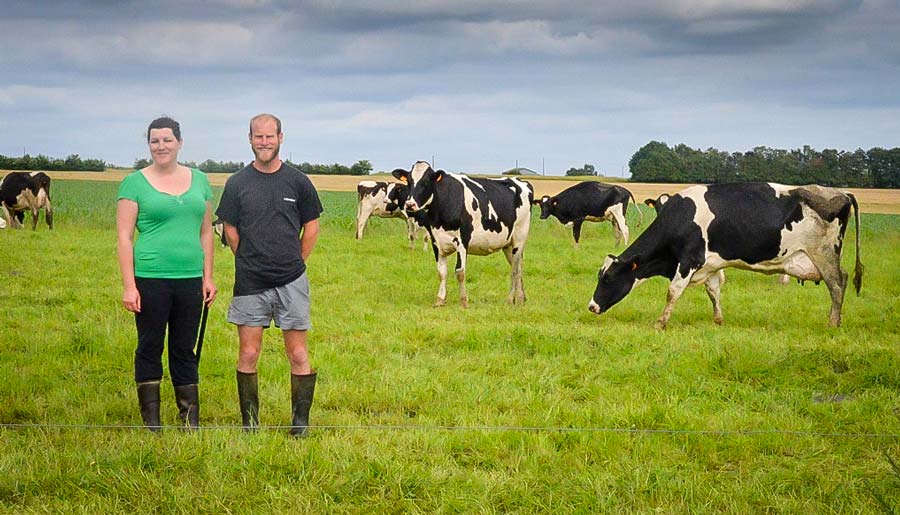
[[25, 191], [591, 201], [219, 228], [385, 200], [658, 202], [415, 222], [471, 216], [764, 227]]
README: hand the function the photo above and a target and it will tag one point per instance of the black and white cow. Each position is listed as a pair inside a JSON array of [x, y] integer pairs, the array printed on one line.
[[385, 200], [415, 222], [764, 227], [593, 202], [219, 228], [25, 191], [658, 202], [471, 216]]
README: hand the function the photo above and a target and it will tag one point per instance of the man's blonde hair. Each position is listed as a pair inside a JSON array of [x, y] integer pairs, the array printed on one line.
[[261, 116]]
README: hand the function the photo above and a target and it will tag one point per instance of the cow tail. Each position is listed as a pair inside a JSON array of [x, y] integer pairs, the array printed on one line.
[[858, 271], [636, 206]]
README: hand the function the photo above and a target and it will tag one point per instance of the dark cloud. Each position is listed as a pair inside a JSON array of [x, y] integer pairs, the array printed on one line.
[[478, 83]]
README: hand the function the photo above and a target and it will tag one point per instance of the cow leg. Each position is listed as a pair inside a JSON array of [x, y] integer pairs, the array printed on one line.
[[34, 218], [461, 276], [362, 216], [6, 216], [713, 289], [48, 213], [411, 232], [676, 288], [617, 218], [829, 265], [576, 232], [516, 280], [442, 275]]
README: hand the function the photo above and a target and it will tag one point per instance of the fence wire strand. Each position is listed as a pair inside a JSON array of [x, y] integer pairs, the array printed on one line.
[[484, 429]]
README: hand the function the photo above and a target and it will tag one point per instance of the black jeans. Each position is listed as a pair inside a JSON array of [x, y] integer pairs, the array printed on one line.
[[176, 303]]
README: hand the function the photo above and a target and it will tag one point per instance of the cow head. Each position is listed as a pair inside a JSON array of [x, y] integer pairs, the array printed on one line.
[[422, 181], [396, 197], [614, 281], [548, 205], [658, 202]]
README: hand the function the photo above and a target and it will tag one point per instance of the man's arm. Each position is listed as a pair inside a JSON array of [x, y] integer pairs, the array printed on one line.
[[231, 236], [308, 238]]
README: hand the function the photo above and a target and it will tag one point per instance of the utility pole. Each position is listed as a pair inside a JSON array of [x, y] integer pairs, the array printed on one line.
[[543, 170]]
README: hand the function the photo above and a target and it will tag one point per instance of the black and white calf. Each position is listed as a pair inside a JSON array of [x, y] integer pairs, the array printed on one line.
[[25, 191], [593, 202], [385, 200], [471, 216], [764, 227]]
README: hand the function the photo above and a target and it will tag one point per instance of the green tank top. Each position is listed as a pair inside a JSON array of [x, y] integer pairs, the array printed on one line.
[[168, 242]]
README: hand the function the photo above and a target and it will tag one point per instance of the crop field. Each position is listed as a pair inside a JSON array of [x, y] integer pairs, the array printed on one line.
[[540, 408]]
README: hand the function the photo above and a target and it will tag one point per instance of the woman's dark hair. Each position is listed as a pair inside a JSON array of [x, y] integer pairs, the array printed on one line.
[[164, 122]]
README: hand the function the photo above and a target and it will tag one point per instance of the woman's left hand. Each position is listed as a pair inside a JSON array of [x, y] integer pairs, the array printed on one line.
[[209, 291]]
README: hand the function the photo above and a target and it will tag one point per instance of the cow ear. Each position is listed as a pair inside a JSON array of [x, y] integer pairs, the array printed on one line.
[[439, 176], [634, 264], [650, 202], [400, 174]]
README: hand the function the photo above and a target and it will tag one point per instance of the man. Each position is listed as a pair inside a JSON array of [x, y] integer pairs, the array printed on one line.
[[270, 212]]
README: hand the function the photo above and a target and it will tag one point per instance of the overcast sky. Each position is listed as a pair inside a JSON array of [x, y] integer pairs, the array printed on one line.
[[474, 84]]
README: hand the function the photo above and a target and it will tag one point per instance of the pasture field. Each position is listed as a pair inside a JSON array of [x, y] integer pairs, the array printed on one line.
[[495, 409]]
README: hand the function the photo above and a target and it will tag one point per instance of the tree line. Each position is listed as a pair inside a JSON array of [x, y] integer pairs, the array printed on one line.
[[73, 162], [875, 168], [361, 167]]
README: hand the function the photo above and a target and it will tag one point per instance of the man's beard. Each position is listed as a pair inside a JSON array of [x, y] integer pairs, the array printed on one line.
[[274, 154]]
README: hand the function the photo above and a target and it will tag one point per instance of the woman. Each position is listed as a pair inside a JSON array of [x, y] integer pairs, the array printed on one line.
[[167, 274]]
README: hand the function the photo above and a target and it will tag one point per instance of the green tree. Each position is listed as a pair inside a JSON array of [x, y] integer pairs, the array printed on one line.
[[654, 162]]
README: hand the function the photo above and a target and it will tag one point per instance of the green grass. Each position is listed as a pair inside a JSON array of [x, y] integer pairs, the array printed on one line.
[[435, 410]]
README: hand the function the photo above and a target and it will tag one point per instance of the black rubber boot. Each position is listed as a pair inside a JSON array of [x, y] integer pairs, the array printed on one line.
[[187, 398], [248, 397], [148, 399], [302, 389]]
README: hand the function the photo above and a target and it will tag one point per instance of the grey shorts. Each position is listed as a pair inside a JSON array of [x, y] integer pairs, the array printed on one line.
[[288, 305]]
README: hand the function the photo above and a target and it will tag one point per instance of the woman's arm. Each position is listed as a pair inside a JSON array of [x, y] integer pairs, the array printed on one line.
[[126, 218]]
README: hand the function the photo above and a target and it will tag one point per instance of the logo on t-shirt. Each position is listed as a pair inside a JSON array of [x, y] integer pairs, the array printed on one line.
[[290, 199]]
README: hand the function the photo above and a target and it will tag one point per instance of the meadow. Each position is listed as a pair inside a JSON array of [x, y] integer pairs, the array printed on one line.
[[493, 409]]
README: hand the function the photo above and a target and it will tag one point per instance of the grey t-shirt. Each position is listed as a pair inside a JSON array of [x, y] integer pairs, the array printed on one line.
[[268, 210]]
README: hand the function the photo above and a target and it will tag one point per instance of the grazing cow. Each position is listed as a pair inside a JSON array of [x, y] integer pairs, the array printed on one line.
[[385, 200], [764, 227], [21, 191], [657, 204], [592, 201], [471, 216]]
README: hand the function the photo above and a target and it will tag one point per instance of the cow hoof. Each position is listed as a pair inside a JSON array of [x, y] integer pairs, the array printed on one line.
[[719, 320], [659, 325], [464, 303], [440, 303]]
